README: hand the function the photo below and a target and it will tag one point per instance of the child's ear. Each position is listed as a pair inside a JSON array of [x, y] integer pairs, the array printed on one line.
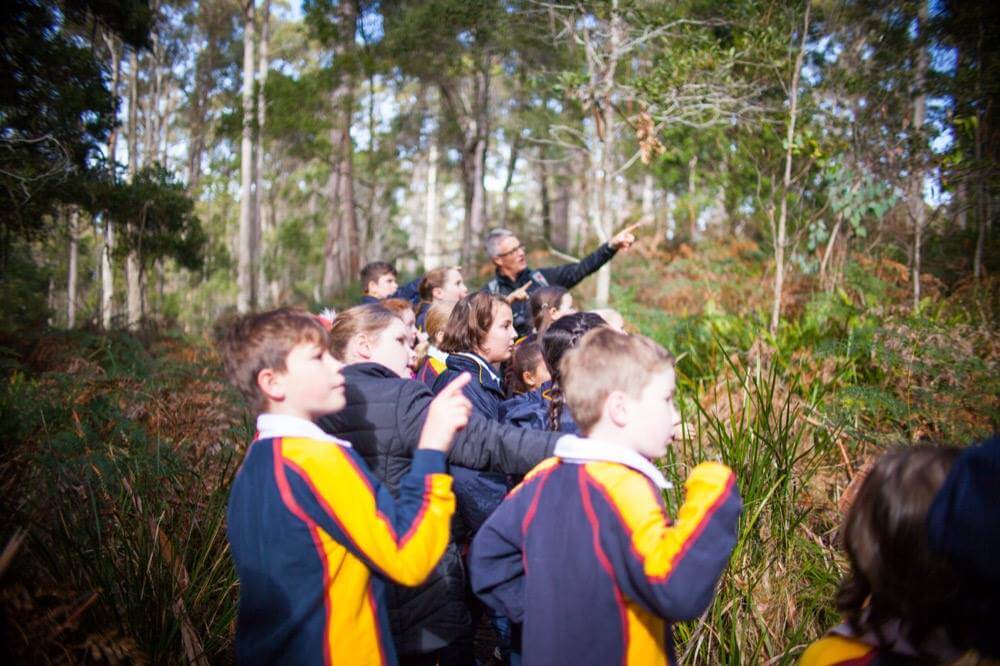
[[271, 384], [528, 378], [616, 408], [364, 346], [436, 293], [438, 338], [371, 287]]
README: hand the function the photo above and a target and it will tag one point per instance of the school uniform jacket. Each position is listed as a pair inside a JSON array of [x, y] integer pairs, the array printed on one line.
[[531, 410], [315, 537], [566, 275], [382, 419], [478, 492], [583, 554]]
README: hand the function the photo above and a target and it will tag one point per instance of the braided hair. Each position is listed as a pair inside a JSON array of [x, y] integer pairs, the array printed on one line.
[[561, 336]]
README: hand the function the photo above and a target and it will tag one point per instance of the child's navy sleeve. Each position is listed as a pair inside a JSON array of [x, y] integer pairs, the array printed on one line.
[[496, 562], [329, 486], [671, 569]]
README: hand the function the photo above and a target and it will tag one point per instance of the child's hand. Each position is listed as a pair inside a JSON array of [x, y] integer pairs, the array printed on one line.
[[447, 414]]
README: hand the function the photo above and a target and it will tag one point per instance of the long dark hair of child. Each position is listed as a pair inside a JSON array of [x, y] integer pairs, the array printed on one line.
[[525, 358], [561, 336], [543, 301], [894, 573], [470, 322]]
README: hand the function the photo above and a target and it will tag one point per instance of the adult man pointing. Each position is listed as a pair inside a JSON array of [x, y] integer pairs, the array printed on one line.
[[515, 281]]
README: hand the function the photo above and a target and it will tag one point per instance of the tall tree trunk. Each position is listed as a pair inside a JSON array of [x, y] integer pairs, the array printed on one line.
[[264, 221], [982, 177], [133, 271], [107, 251], [511, 167], [692, 210], [782, 231], [918, 210], [245, 252], [545, 197], [73, 219], [341, 259], [432, 251]]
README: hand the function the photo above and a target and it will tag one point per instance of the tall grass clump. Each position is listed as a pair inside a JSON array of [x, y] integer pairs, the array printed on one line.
[[777, 589], [122, 457]]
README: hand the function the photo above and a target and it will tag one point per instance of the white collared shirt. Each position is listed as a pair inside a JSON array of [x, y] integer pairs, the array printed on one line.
[[437, 354], [579, 450], [280, 425]]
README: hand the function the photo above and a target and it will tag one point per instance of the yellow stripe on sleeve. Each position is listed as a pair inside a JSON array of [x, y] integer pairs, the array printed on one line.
[[654, 541], [347, 496]]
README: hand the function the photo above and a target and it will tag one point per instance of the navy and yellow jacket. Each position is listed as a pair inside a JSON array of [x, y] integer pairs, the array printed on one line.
[[315, 537], [584, 555]]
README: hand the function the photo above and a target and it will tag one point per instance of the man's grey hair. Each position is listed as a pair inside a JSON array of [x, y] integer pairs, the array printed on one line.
[[493, 240]]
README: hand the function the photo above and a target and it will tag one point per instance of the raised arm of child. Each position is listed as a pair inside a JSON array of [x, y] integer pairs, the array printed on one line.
[[331, 490], [672, 568]]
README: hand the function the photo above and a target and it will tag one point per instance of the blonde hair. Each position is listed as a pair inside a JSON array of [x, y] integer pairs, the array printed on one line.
[[607, 361], [437, 318], [370, 320]]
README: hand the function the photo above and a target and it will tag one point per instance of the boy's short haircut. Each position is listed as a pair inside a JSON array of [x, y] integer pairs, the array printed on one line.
[[607, 361], [374, 271], [470, 322], [263, 340]]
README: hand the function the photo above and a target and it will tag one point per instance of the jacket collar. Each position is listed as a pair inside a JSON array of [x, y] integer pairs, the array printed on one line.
[[368, 369], [437, 354], [477, 366], [270, 426], [521, 278], [581, 449]]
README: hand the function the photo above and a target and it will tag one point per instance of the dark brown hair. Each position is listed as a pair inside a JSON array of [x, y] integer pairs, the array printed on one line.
[[542, 302], [434, 279], [894, 574], [525, 358], [563, 335], [263, 340], [373, 271], [370, 320], [470, 322]]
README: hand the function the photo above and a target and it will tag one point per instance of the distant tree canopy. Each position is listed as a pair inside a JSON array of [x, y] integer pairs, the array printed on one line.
[[56, 113]]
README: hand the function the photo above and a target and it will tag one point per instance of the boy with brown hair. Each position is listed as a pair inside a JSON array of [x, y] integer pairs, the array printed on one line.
[[378, 281], [313, 533], [582, 552]]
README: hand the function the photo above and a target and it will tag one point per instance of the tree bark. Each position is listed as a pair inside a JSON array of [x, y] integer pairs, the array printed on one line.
[[432, 251], [133, 271], [107, 251], [73, 219], [264, 221], [781, 236], [245, 251], [341, 261], [511, 167], [917, 208]]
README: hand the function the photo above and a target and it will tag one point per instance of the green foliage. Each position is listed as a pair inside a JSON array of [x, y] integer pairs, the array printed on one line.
[[156, 217], [124, 489], [55, 108]]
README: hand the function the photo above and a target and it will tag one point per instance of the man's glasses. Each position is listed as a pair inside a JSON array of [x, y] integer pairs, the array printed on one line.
[[511, 251]]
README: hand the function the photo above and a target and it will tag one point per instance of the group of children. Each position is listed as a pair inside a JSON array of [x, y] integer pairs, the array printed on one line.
[[417, 468]]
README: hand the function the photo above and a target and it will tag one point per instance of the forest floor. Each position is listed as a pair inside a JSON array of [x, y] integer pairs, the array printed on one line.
[[119, 451]]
